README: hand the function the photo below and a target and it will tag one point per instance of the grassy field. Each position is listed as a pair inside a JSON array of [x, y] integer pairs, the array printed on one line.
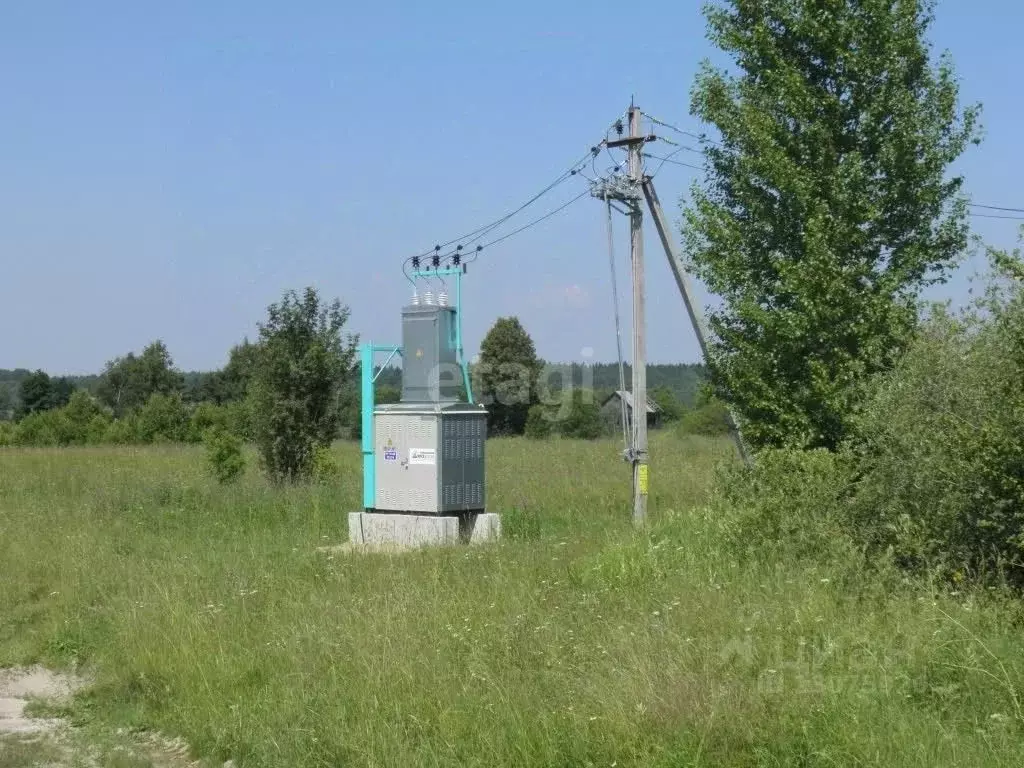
[[208, 613]]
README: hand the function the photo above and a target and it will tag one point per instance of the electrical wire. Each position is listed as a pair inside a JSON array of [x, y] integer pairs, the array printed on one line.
[[994, 216], [996, 208], [668, 159], [482, 231], [535, 222], [628, 445], [677, 129]]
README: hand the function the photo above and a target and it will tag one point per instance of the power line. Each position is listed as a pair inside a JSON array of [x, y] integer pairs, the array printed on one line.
[[479, 232], [535, 222], [677, 129], [995, 208], [994, 216], [669, 159]]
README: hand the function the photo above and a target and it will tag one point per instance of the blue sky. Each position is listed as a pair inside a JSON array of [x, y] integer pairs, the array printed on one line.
[[168, 170]]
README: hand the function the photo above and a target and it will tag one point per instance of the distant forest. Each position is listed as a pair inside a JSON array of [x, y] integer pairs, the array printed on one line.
[[683, 380]]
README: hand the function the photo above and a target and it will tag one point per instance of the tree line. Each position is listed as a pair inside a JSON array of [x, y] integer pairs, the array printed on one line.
[[295, 389]]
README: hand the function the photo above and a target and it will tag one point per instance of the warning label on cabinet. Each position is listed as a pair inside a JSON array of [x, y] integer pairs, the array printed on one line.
[[422, 456]]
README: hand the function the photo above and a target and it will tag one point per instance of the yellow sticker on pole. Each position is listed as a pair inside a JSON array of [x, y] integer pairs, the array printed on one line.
[[642, 479]]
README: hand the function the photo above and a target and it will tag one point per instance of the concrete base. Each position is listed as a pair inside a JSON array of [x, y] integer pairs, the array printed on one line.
[[382, 529]]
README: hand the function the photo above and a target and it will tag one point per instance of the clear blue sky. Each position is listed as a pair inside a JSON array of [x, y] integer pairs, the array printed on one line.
[[167, 170]]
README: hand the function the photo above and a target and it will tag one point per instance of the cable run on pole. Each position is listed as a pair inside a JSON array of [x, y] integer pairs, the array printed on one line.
[[627, 438]]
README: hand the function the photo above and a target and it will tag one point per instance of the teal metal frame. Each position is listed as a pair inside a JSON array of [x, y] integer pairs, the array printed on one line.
[[367, 352]]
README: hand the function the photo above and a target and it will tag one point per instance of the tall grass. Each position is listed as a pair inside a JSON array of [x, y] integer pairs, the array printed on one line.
[[209, 612]]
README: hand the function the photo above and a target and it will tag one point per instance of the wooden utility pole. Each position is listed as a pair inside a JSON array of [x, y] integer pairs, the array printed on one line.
[[636, 251], [629, 192]]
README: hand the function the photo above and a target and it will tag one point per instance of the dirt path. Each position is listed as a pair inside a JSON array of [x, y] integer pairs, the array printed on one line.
[[20, 686], [46, 741]]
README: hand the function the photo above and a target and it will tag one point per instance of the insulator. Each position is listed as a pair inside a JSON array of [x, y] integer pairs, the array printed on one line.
[[415, 262], [415, 298], [428, 298], [442, 299]]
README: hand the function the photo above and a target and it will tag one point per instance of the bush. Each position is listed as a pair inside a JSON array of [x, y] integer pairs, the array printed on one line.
[[85, 420], [940, 450], [538, 423], [578, 417], [205, 417], [583, 420], [791, 501], [122, 431], [163, 418], [224, 455], [325, 468], [42, 428], [671, 409], [710, 419]]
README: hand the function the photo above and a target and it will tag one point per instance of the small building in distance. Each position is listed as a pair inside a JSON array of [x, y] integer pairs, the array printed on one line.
[[611, 409]]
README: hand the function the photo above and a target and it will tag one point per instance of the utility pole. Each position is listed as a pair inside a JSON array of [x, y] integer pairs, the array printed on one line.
[[631, 190], [636, 252], [628, 191]]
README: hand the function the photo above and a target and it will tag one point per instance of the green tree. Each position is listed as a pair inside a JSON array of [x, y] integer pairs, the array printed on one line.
[[35, 393], [231, 383], [352, 415], [505, 378], [668, 403], [87, 421], [61, 390], [826, 207], [303, 364], [129, 382], [163, 418], [538, 422], [583, 418], [224, 455]]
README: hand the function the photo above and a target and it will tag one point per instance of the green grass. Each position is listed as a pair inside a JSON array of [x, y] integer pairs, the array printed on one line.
[[207, 612]]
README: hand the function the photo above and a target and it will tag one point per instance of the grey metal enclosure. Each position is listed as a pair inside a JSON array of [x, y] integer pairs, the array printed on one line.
[[429, 457], [430, 369]]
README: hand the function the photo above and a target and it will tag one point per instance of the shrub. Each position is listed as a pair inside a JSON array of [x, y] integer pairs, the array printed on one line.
[[538, 423], [42, 428], [205, 417], [583, 419], [710, 419], [224, 455], [122, 431], [163, 418], [791, 501], [578, 417], [85, 421], [325, 468], [940, 452], [671, 409]]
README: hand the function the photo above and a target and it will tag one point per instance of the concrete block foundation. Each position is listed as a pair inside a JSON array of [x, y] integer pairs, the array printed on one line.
[[398, 531]]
